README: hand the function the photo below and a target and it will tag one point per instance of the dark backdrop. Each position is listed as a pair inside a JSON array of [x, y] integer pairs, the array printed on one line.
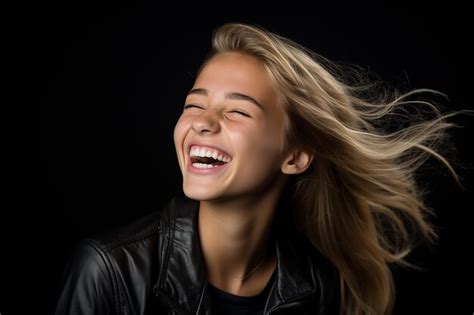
[[111, 80]]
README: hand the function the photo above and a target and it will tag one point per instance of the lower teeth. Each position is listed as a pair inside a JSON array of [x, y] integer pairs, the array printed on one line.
[[202, 165]]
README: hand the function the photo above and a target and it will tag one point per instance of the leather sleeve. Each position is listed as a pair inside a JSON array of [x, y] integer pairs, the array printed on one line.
[[88, 286]]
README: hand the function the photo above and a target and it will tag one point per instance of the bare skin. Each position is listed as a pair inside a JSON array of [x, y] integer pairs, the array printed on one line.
[[241, 234], [238, 201]]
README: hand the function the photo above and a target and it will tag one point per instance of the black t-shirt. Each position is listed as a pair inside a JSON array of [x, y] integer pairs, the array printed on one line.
[[230, 304]]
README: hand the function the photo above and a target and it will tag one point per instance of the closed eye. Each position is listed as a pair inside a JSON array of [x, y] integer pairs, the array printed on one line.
[[200, 107], [191, 105], [241, 113]]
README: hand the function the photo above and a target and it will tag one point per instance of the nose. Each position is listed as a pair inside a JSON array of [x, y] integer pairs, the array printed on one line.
[[207, 122]]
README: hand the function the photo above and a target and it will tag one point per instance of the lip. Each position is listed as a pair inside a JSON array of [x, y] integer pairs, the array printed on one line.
[[203, 171]]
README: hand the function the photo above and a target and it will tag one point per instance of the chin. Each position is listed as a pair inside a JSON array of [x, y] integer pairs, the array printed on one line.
[[200, 193]]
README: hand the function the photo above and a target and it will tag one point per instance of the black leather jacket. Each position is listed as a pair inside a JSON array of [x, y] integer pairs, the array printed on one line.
[[154, 266]]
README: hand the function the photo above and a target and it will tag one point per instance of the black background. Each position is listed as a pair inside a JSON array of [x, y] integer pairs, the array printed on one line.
[[110, 78]]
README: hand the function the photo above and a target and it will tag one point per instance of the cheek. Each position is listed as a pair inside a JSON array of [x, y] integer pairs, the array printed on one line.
[[256, 143], [270, 137], [179, 130]]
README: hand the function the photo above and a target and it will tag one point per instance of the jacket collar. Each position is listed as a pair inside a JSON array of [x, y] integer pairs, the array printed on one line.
[[182, 280]]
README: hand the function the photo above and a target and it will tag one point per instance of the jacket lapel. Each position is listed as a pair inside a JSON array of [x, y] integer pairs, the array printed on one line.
[[182, 275]]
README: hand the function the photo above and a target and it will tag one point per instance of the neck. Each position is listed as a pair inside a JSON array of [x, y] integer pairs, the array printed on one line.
[[235, 236]]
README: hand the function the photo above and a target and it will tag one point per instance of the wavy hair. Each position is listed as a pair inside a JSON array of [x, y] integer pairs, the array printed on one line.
[[358, 203]]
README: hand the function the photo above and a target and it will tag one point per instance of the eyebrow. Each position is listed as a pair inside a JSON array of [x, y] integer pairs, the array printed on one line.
[[229, 96]]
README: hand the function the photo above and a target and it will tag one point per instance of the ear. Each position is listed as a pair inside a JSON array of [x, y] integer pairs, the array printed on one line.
[[297, 162]]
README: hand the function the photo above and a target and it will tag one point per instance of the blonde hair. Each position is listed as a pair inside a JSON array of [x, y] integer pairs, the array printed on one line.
[[358, 203]]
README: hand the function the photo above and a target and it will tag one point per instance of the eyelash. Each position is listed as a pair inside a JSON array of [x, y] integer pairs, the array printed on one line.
[[234, 111], [191, 105], [241, 113]]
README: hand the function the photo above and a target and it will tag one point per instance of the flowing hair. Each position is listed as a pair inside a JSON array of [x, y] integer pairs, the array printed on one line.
[[358, 203]]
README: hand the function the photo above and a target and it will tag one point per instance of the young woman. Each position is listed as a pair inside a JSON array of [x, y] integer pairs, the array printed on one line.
[[298, 201]]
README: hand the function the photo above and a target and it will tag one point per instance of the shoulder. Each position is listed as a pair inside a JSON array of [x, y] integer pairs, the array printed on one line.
[[140, 239], [102, 250], [146, 229], [118, 265], [326, 276], [138, 231]]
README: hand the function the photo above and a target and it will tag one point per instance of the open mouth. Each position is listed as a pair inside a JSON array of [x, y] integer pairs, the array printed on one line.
[[205, 157]]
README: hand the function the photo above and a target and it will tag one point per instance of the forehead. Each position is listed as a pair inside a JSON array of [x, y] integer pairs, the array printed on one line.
[[237, 72]]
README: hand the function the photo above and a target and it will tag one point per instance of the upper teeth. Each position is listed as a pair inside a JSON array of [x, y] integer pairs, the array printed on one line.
[[208, 152]]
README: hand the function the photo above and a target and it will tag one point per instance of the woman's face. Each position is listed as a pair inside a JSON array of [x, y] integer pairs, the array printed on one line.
[[230, 136]]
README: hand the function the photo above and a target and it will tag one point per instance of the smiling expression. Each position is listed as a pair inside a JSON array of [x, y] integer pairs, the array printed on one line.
[[230, 136]]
